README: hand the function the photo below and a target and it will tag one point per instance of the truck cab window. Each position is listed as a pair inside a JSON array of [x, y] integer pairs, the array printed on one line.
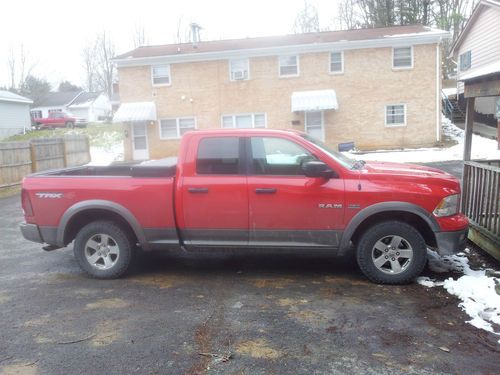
[[278, 156], [218, 155]]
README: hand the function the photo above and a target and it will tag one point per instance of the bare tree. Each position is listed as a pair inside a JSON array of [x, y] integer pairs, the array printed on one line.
[[99, 69], [20, 67], [348, 17], [105, 50], [139, 35], [307, 19], [89, 59]]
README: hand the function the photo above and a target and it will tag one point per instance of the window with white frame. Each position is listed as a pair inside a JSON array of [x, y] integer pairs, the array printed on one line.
[[337, 62], [244, 120], [239, 69], [465, 61], [395, 115], [288, 66], [314, 125], [160, 75], [402, 57], [173, 128]]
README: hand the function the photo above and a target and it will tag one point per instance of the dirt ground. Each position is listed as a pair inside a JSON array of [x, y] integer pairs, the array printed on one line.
[[223, 314]]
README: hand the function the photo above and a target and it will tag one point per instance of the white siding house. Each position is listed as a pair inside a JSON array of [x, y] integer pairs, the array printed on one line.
[[477, 49], [14, 113], [91, 106]]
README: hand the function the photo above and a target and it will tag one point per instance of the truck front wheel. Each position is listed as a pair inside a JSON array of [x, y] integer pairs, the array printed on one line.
[[70, 124], [103, 250], [391, 252]]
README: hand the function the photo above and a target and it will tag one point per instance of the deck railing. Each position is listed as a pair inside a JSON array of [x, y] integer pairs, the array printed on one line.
[[481, 197]]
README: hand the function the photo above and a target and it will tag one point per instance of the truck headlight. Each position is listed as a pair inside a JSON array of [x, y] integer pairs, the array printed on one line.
[[448, 206]]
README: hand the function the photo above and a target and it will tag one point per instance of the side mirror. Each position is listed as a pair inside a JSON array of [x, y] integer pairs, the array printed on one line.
[[318, 169]]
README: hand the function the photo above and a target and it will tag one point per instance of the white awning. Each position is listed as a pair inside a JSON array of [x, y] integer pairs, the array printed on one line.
[[316, 100], [141, 111]]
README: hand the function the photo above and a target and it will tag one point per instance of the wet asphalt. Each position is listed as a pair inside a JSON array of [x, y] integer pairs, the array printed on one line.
[[226, 313]]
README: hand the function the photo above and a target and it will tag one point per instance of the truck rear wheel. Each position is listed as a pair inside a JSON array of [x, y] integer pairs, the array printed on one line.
[[103, 250], [391, 252]]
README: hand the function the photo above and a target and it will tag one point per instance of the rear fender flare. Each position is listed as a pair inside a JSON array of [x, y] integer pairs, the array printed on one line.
[[102, 205]]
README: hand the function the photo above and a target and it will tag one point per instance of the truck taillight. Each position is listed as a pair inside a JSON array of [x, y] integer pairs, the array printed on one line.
[[26, 203]]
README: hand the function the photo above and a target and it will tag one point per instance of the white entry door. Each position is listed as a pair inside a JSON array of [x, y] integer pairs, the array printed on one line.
[[140, 141]]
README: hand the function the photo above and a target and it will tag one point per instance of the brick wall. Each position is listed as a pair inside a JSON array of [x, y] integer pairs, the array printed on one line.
[[203, 90]]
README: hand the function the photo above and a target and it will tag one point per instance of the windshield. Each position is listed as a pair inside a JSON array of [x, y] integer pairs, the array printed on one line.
[[337, 156]]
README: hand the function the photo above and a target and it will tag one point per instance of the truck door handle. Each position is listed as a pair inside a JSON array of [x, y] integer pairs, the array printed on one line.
[[195, 190], [266, 190]]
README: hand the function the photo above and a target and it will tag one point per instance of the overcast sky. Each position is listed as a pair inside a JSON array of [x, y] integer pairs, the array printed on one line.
[[54, 32]]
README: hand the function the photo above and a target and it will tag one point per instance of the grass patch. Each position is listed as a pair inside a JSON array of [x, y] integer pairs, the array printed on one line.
[[10, 191], [100, 135]]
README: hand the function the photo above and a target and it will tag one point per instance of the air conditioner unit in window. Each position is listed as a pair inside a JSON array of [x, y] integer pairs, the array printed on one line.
[[239, 75]]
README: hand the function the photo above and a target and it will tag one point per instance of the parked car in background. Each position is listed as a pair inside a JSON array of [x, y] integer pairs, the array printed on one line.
[[59, 120], [253, 188]]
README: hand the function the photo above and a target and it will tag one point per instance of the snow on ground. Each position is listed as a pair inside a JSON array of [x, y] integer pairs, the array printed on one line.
[[105, 156], [482, 148], [474, 288]]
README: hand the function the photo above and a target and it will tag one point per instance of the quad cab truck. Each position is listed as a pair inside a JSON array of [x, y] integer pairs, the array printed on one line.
[[247, 189], [59, 120]]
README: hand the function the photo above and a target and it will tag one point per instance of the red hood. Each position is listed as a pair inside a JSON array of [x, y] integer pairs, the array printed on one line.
[[409, 170]]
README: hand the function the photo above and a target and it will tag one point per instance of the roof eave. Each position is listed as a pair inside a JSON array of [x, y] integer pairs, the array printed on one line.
[[389, 41]]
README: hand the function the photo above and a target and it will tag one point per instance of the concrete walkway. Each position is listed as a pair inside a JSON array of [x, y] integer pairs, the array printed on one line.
[[481, 129]]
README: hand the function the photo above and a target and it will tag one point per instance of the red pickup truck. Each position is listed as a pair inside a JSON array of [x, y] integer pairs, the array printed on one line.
[[58, 120], [274, 189]]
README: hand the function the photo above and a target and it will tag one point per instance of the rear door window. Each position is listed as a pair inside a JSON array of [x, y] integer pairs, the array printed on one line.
[[218, 155]]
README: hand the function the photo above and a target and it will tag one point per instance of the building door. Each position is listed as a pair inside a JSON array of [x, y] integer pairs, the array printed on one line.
[[140, 141], [315, 125]]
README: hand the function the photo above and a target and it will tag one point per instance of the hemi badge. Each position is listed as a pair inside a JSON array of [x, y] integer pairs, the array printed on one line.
[[352, 205], [49, 195]]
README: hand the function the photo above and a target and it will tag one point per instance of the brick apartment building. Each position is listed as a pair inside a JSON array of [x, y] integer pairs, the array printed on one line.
[[378, 88]]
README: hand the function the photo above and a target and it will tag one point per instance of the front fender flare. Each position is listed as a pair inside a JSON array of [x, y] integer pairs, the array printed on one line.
[[384, 207]]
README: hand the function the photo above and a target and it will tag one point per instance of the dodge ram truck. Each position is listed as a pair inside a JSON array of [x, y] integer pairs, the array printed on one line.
[[59, 120], [246, 189]]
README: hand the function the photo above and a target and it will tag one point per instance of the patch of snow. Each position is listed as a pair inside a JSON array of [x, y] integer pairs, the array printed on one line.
[[482, 148], [474, 288], [105, 156], [450, 91]]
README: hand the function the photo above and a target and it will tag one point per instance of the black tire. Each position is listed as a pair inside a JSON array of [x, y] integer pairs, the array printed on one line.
[[367, 253], [70, 124], [119, 240]]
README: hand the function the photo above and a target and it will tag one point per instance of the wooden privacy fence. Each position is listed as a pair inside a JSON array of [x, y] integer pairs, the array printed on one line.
[[17, 159]]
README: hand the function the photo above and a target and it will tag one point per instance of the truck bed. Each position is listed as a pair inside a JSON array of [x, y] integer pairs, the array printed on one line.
[[154, 169]]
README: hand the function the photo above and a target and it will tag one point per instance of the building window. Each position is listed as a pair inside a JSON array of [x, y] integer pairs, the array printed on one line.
[[218, 156], [395, 115], [465, 61], [160, 75], [239, 69], [289, 66], [402, 57], [337, 62], [244, 120], [314, 125], [36, 114], [174, 128]]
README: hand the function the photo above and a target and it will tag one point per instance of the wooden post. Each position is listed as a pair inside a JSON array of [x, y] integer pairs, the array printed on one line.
[[469, 124], [33, 158], [65, 155]]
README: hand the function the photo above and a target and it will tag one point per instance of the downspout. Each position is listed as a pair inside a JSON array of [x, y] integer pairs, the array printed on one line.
[[438, 87]]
